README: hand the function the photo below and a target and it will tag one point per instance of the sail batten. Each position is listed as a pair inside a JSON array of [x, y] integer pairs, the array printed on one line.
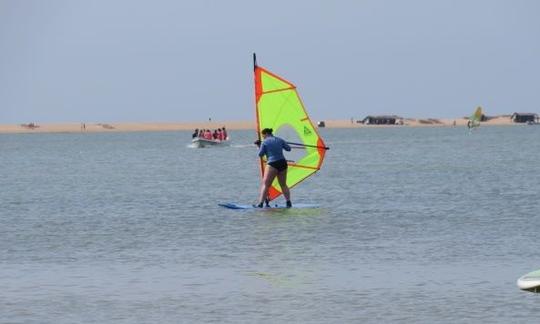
[[304, 166], [278, 106], [272, 91]]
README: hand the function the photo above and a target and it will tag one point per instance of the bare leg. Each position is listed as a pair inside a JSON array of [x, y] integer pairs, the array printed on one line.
[[269, 175], [282, 179]]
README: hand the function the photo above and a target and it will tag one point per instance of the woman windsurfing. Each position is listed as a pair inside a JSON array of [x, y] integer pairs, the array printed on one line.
[[276, 165]]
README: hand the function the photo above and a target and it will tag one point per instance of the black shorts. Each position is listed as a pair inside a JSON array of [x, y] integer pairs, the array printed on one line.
[[280, 165]]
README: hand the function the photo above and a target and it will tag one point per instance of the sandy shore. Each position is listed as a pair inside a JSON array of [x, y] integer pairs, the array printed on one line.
[[121, 127], [231, 125]]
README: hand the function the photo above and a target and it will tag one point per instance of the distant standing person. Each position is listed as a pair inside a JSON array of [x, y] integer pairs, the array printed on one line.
[[276, 165]]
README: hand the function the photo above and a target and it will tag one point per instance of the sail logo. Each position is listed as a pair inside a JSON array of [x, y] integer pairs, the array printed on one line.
[[307, 132]]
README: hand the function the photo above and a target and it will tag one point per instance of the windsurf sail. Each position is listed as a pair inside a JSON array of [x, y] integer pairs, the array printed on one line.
[[278, 106], [474, 120]]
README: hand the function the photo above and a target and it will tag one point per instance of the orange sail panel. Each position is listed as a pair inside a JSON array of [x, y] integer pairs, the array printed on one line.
[[278, 106]]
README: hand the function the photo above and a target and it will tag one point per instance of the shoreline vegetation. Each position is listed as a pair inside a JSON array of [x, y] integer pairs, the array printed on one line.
[[230, 125]]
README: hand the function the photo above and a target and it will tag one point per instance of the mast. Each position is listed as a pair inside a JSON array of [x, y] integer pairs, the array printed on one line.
[[257, 128], [254, 61], [256, 100]]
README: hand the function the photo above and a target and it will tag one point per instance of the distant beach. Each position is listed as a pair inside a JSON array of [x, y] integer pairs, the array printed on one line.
[[231, 125]]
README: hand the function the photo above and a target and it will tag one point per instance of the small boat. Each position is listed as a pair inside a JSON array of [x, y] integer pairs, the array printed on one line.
[[200, 142], [530, 282]]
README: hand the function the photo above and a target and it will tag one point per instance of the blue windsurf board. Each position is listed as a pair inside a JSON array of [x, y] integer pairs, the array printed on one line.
[[272, 206]]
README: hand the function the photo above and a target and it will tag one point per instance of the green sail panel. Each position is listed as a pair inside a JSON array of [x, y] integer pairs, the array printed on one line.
[[272, 83], [477, 116], [279, 107]]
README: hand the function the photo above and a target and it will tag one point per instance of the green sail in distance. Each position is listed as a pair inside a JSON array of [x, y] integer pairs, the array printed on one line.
[[474, 120]]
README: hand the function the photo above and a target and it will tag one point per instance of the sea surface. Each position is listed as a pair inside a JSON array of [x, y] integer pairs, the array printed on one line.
[[416, 225]]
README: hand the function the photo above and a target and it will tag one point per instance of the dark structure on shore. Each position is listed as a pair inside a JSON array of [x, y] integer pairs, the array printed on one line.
[[383, 120], [524, 117]]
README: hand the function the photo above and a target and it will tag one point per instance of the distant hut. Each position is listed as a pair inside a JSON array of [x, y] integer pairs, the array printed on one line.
[[524, 117], [383, 120]]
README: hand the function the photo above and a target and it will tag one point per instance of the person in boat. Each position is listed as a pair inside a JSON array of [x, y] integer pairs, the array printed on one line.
[[219, 134], [195, 133], [201, 133], [224, 131], [276, 165]]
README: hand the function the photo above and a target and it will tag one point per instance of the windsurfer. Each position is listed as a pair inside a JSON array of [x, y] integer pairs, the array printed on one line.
[[273, 146]]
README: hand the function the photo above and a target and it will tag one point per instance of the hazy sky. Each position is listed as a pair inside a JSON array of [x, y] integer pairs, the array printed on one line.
[[174, 61]]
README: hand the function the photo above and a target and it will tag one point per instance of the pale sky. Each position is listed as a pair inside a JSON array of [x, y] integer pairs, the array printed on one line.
[[175, 61]]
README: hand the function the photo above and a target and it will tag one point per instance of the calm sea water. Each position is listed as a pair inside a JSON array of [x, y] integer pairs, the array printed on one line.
[[416, 225]]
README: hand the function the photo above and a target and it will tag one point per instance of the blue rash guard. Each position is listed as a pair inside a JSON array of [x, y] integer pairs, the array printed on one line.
[[273, 148]]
